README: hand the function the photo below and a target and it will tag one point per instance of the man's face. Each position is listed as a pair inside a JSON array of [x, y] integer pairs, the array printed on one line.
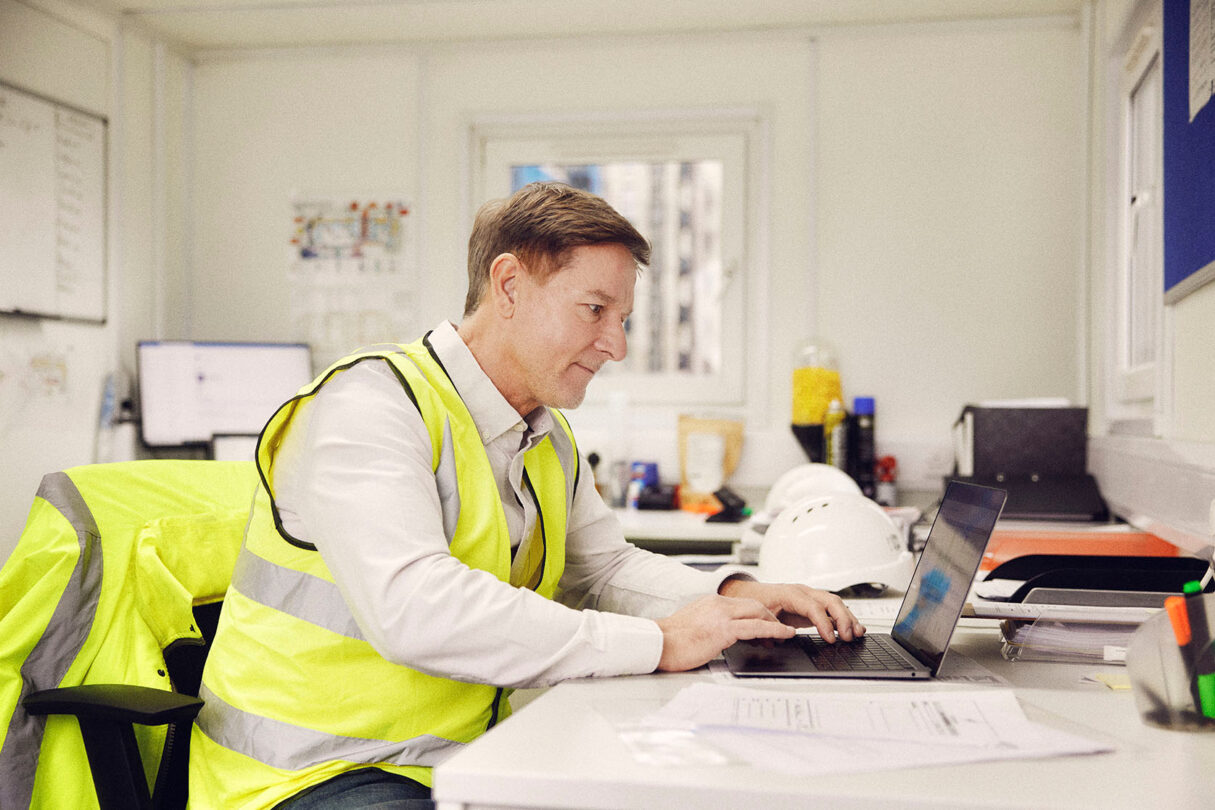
[[567, 327]]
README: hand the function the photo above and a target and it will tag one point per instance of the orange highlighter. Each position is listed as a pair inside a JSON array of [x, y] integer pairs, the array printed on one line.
[[1188, 616]]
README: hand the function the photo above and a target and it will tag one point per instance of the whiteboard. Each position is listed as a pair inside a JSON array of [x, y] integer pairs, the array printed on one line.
[[52, 193]]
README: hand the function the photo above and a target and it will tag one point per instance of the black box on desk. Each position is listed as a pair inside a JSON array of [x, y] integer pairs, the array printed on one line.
[[1015, 442], [1038, 454]]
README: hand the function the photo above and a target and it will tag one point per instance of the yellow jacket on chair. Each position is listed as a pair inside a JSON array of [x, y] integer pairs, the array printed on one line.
[[102, 580]]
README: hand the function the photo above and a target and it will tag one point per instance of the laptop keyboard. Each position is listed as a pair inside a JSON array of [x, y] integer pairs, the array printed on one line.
[[873, 653]]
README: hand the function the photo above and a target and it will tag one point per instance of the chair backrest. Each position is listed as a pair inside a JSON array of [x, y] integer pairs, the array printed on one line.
[[106, 577]]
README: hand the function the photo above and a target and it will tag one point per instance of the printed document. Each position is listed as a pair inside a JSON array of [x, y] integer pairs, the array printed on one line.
[[831, 732]]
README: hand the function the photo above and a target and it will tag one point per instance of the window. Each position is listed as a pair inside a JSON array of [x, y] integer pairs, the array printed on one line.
[[1140, 255], [682, 183], [676, 325]]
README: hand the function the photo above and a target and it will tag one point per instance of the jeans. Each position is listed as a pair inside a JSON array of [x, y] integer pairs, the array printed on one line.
[[364, 788]]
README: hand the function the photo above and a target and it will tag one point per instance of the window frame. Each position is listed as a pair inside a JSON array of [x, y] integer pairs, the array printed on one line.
[[1136, 393], [732, 136]]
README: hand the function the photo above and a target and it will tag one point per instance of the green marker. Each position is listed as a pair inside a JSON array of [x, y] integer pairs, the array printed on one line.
[[1200, 652]]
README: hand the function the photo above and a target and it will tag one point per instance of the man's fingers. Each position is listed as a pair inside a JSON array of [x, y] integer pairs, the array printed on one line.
[[826, 611], [846, 625], [743, 629], [748, 608]]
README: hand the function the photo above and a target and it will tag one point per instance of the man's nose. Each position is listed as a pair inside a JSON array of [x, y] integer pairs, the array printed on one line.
[[614, 342]]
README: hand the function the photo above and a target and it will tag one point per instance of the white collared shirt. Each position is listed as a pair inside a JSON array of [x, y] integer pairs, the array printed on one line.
[[356, 481]]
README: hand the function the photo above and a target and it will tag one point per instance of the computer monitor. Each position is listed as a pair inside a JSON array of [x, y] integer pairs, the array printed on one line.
[[191, 391], [234, 446]]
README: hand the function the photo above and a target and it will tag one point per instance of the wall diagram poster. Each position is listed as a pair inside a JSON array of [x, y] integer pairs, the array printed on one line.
[[353, 272]]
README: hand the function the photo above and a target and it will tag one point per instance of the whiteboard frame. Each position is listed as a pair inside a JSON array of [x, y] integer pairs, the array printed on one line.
[[98, 313]]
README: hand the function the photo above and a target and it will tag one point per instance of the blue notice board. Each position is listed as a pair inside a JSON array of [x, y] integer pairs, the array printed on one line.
[[1189, 147]]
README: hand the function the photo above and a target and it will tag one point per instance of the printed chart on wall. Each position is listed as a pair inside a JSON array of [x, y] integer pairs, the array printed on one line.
[[352, 273], [1189, 146], [48, 377], [52, 193]]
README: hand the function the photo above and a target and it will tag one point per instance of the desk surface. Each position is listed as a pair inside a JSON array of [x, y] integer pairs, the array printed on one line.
[[676, 531], [563, 750]]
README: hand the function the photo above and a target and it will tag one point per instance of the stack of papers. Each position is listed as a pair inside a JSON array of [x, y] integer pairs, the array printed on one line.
[[1066, 641], [840, 732]]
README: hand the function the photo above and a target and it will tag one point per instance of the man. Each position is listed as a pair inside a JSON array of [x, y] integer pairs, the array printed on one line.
[[427, 537]]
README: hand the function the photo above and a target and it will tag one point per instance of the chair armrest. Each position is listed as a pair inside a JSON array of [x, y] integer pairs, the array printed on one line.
[[121, 702]]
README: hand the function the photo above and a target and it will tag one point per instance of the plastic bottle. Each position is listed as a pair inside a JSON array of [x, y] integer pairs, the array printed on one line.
[[862, 457], [886, 491], [644, 475], [835, 435], [633, 498], [816, 381]]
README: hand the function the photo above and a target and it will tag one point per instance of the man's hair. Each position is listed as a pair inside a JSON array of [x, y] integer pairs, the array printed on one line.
[[540, 224]]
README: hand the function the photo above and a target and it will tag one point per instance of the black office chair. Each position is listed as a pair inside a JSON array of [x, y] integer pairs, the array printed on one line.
[[108, 715], [117, 561]]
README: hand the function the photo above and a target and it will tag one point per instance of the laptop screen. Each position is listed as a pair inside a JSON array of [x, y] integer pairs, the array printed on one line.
[[947, 567]]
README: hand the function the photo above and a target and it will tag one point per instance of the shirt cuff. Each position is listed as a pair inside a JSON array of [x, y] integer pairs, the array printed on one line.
[[722, 576], [639, 642]]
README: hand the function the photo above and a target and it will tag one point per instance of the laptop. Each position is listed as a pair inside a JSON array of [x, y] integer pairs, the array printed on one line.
[[919, 639]]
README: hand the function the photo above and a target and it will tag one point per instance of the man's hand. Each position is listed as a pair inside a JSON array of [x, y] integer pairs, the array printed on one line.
[[696, 634], [800, 605]]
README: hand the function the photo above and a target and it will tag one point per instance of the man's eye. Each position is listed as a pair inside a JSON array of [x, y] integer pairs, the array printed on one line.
[[595, 308]]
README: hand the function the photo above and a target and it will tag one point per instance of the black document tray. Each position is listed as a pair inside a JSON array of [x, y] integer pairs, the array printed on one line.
[[1098, 572], [1069, 498]]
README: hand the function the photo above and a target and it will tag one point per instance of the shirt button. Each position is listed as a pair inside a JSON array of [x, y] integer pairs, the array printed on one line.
[[519, 427]]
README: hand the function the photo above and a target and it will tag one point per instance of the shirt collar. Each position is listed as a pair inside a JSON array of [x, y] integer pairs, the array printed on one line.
[[490, 411]]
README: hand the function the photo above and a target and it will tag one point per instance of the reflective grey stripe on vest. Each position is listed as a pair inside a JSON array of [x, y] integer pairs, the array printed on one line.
[[445, 481], [61, 642], [312, 599], [291, 747], [568, 457]]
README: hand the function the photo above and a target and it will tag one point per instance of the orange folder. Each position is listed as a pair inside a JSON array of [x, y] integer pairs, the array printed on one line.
[[1005, 544]]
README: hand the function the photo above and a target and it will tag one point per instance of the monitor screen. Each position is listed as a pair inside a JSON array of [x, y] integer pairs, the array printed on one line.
[[234, 446], [191, 391]]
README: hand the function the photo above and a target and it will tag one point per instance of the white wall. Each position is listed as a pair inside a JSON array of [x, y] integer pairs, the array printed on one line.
[[1163, 483], [926, 208], [923, 210], [52, 372], [266, 127], [951, 213]]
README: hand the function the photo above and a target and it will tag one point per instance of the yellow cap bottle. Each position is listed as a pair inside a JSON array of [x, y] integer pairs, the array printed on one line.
[[816, 383]]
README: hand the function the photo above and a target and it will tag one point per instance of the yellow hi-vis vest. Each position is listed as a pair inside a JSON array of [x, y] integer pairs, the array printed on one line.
[[294, 693]]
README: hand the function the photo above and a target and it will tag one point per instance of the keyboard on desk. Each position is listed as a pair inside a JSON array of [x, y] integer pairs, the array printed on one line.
[[868, 653]]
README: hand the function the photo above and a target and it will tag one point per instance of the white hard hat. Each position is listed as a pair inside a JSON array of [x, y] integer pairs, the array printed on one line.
[[833, 542], [805, 480]]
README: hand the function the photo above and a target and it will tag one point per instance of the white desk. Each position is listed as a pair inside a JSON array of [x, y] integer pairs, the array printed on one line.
[[562, 750], [676, 531]]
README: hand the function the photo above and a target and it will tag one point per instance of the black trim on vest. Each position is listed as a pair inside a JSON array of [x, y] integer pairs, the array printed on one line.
[[312, 391], [493, 708], [435, 356], [577, 463], [527, 481]]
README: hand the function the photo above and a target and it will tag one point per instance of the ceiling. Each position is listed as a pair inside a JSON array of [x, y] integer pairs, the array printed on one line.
[[212, 24]]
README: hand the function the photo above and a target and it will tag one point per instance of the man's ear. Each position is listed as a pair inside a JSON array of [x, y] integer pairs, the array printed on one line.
[[504, 277]]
